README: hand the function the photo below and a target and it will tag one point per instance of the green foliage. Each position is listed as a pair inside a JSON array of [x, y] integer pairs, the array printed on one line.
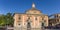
[[6, 19], [2, 20]]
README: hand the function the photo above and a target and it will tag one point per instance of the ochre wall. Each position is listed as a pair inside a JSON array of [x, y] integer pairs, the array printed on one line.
[[34, 23]]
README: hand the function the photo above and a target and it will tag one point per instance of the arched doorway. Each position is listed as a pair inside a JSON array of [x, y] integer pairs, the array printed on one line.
[[28, 25]]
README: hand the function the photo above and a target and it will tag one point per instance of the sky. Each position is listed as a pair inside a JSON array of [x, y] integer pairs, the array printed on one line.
[[48, 7]]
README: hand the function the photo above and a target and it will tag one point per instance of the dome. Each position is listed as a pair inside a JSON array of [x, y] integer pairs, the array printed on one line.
[[33, 10]]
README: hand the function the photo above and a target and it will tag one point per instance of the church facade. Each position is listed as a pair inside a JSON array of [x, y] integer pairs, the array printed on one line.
[[32, 18]]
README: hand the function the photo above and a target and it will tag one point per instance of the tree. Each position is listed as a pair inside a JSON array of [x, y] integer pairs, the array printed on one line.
[[9, 19], [6, 19], [2, 20]]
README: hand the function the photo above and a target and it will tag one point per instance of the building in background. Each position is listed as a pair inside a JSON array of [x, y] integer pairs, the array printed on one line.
[[32, 18], [54, 20]]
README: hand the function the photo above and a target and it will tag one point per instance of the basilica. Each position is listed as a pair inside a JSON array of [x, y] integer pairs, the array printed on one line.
[[32, 18]]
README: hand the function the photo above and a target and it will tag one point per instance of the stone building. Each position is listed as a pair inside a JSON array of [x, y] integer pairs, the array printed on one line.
[[54, 19], [31, 19]]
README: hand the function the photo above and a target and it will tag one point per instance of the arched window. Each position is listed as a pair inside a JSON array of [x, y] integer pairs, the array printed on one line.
[[35, 18], [19, 17]]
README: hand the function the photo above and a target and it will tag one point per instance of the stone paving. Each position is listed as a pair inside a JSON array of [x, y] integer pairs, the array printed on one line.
[[28, 29]]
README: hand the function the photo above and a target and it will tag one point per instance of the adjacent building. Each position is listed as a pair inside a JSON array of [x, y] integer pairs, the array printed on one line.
[[54, 19]]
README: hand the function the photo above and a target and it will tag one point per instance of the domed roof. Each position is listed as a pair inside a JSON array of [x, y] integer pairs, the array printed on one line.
[[33, 10]]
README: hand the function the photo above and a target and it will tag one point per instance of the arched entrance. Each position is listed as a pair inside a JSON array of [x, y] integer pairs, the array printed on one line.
[[28, 25]]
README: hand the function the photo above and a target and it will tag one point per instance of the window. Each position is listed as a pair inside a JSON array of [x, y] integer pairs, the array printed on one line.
[[18, 24], [19, 17], [42, 18], [56, 16], [28, 17], [57, 20], [35, 18]]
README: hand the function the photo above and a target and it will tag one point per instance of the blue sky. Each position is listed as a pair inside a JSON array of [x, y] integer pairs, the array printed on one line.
[[20, 6]]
